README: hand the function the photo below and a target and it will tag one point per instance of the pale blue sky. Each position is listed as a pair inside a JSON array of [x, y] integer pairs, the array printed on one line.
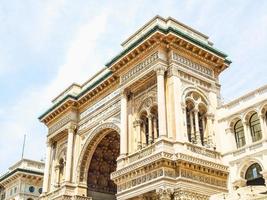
[[45, 45]]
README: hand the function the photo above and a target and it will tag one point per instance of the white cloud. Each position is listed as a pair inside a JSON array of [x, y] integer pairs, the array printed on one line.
[[22, 117]]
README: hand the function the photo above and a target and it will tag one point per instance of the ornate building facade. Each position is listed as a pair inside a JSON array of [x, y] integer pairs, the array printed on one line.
[[150, 125], [23, 181]]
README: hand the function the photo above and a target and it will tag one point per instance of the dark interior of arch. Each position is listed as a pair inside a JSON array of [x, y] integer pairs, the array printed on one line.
[[253, 175], [103, 163]]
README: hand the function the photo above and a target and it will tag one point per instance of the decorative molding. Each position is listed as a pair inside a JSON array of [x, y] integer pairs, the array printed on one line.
[[180, 194], [139, 68], [193, 66], [100, 103], [60, 123], [95, 118]]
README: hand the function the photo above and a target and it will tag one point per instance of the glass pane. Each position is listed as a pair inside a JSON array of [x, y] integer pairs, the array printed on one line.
[[253, 172], [239, 134]]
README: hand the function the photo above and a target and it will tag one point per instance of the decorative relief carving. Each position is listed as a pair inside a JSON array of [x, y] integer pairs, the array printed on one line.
[[190, 79], [164, 193], [139, 68], [100, 103], [140, 180], [100, 115], [193, 66], [196, 176], [189, 195], [141, 154], [146, 98], [199, 161], [60, 124], [203, 151]]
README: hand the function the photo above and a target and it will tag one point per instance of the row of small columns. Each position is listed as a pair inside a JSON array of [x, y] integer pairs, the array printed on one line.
[[152, 128], [195, 133], [160, 70], [69, 159]]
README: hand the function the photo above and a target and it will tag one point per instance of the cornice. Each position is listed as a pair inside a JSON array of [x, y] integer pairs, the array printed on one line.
[[77, 101], [158, 34]]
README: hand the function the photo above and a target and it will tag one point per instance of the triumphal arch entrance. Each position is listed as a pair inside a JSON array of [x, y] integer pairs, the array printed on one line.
[[144, 127]]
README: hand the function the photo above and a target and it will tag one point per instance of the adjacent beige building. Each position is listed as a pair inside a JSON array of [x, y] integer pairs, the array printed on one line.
[[23, 181], [151, 124]]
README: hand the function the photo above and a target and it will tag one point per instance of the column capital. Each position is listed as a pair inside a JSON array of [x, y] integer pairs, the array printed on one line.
[[125, 92], [164, 193], [150, 116], [160, 69], [137, 122], [72, 127], [173, 71], [195, 110], [261, 115]]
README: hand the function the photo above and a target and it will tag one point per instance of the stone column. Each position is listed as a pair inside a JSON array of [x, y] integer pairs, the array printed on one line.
[[150, 129], [198, 139], [192, 132], [137, 125], [161, 101], [155, 128], [247, 133], [124, 125], [164, 193], [69, 156], [263, 125], [205, 136], [47, 167]]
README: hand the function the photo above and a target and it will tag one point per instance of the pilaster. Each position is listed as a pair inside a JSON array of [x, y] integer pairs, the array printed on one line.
[[160, 70]]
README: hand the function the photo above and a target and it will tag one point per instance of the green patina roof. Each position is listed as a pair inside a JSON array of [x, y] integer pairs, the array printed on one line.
[[20, 170], [71, 97], [166, 31]]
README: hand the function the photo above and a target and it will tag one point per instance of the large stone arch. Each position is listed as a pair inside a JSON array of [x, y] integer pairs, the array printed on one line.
[[93, 139]]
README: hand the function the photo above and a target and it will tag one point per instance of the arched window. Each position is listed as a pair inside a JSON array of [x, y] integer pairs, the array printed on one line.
[[255, 127], [253, 175], [145, 128], [239, 134], [61, 169], [196, 120]]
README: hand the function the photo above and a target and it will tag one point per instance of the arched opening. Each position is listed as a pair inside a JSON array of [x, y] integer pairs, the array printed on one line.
[[202, 111], [255, 127], [190, 121], [253, 175], [144, 128], [103, 163], [239, 134], [61, 168], [155, 122]]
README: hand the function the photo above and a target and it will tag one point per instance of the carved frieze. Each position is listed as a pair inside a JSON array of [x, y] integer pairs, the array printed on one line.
[[100, 103], [196, 176], [188, 195], [139, 68], [92, 120], [189, 64], [60, 123]]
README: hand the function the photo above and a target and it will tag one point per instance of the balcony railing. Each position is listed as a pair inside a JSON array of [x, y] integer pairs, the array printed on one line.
[[141, 153]]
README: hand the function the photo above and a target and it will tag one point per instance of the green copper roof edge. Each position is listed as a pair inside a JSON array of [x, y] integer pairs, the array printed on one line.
[[20, 170], [75, 97], [94, 84], [228, 61], [169, 29]]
